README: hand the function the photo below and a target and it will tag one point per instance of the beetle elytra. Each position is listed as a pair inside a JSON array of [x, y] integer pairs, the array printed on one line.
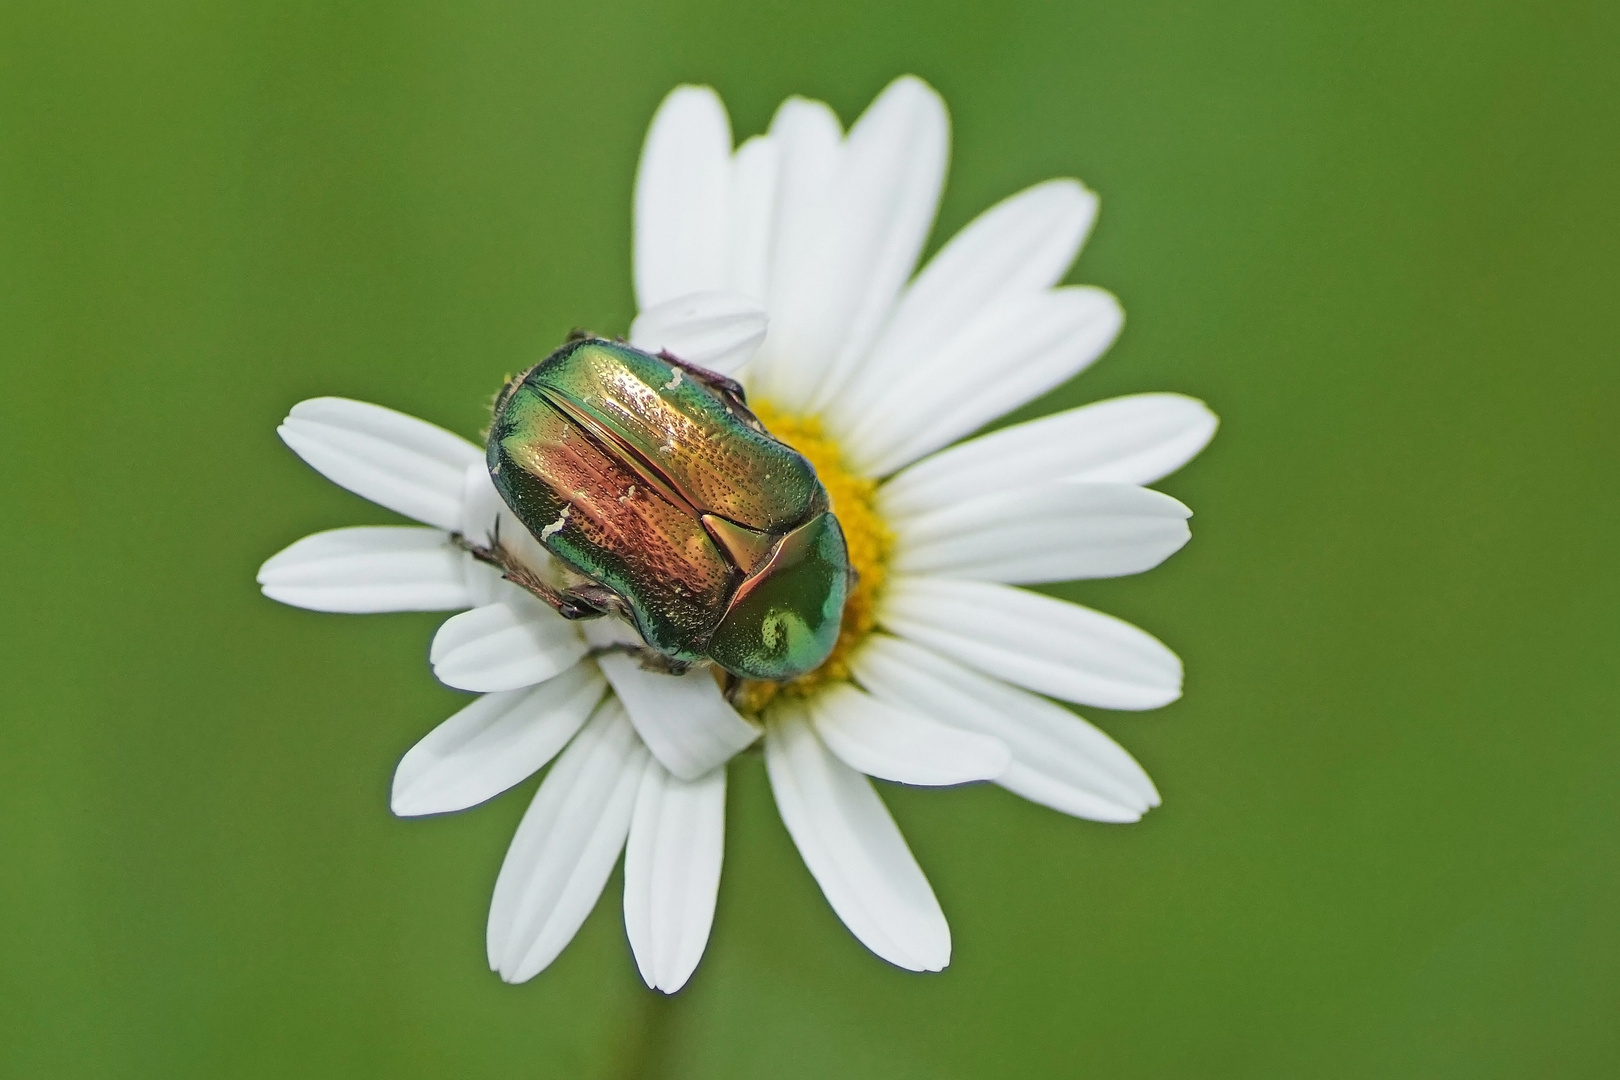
[[653, 484]]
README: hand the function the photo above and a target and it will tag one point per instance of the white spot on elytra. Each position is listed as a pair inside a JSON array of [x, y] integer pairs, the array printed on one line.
[[674, 379], [668, 448], [556, 526]]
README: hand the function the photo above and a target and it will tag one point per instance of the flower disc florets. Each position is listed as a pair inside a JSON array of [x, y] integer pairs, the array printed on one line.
[[868, 538]]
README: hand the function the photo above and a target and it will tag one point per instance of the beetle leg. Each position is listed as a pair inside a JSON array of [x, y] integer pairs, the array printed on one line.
[[651, 659], [724, 385], [599, 599], [496, 554], [715, 381]]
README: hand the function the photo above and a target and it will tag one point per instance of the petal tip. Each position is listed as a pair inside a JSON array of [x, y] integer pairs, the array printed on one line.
[[403, 801], [280, 594], [913, 85], [692, 92], [401, 807]]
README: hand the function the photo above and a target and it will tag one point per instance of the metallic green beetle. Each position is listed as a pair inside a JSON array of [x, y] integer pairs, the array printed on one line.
[[650, 479]]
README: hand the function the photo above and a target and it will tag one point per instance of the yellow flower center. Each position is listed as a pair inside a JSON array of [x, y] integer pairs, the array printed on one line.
[[867, 537]]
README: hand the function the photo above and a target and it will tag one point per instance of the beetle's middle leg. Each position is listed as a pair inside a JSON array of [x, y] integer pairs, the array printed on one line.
[[579, 602], [649, 658], [596, 598]]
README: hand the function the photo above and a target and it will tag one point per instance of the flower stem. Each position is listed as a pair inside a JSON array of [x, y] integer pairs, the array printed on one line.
[[647, 1047]]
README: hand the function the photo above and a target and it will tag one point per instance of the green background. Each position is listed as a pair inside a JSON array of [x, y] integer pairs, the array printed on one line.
[[1379, 238]]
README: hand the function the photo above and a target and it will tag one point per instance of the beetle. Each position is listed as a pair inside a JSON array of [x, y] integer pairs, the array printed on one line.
[[649, 479]]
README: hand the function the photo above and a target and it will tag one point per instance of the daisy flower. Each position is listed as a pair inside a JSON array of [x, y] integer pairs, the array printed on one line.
[[789, 263]]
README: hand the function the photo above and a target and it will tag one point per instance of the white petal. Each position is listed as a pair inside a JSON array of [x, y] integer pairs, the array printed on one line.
[[565, 846], [802, 268], [485, 516], [408, 465], [714, 330], [853, 849], [517, 641], [1128, 440], [1013, 351], [1047, 645], [382, 568], [672, 872], [881, 740], [684, 719], [484, 582], [1019, 247], [753, 210], [1058, 759], [892, 174], [1056, 532], [483, 512], [497, 741], [682, 194]]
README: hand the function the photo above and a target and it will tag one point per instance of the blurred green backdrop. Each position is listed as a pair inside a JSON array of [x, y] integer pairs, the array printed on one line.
[[1380, 238]]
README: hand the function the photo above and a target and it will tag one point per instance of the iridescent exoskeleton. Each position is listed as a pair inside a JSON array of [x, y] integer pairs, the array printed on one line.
[[651, 480]]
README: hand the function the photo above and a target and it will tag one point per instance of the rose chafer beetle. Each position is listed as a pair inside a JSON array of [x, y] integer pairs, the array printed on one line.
[[650, 480]]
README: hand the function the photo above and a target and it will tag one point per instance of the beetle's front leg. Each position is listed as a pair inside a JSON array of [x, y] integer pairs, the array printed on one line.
[[564, 602]]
